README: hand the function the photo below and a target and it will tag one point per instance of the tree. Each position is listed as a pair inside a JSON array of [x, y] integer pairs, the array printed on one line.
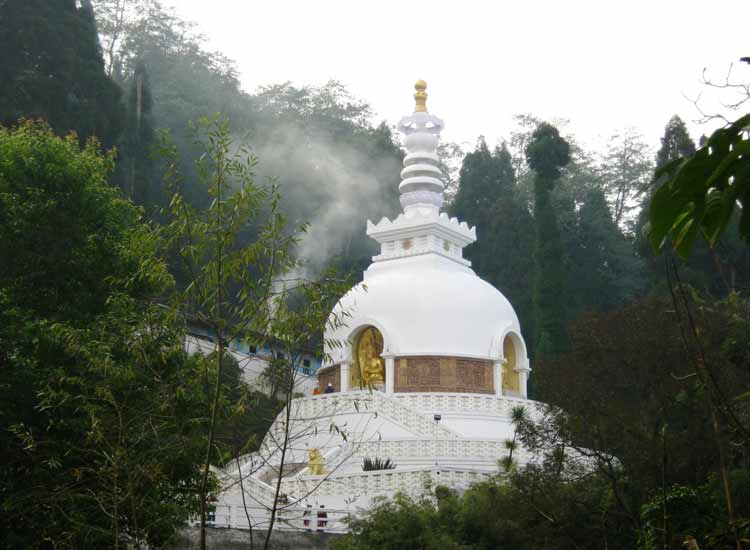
[[546, 154], [488, 199], [596, 253], [51, 68], [96, 392], [700, 197], [676, 142], [631, 397], [483, 177], [532, 508], [627, 174], [240, 286], [722, 263], [334, 167], [603, 270], [137, 166], [702, 191], [402, 523]]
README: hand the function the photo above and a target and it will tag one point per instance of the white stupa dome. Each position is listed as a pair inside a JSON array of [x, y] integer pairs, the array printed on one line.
[[426, 305]]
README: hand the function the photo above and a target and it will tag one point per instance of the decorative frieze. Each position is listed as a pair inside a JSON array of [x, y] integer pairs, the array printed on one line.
[[443, 374]]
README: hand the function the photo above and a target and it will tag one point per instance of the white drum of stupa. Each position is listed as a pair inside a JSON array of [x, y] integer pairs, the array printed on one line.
[[425, 364]]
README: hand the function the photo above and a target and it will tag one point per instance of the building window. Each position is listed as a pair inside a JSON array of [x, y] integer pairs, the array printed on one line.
[[253, 349]]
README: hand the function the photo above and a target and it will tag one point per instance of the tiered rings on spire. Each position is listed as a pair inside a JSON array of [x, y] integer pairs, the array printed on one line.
[[421, 229], [422, 185]]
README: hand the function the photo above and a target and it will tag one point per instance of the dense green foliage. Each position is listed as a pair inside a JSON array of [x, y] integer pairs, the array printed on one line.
[[599, 267], [675, 143], [623, 434], [703, 190], [538, 508], [98, 405], [51, 67], [718, 269]]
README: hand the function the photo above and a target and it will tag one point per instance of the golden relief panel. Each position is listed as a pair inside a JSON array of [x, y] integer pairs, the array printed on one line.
[[424, 372], [443, 374], [471, 373]]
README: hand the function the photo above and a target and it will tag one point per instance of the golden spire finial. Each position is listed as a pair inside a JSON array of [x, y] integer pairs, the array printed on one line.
[[420, 96]]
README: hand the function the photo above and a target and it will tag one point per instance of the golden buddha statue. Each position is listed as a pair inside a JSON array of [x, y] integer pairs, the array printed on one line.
[[316, 464], [369, 349]]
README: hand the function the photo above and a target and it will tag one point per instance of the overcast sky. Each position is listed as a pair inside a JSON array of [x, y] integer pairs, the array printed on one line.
[[601, 64]]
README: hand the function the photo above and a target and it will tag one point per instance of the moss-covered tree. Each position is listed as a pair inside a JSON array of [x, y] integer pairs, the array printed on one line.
[[547, 153]]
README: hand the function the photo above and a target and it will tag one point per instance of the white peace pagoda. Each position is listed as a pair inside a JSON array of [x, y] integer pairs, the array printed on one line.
[[429, 364]]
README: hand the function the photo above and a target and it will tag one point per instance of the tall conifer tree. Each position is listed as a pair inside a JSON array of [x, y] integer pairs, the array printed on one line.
[[604, 271], [488, 199], [546, 154], [676, 142]]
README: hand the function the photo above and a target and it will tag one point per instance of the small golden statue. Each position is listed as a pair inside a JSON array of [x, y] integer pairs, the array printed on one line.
[[316, 465], [369, 349]]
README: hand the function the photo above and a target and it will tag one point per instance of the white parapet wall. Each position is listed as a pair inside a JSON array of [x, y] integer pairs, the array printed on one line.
[[463, 448]]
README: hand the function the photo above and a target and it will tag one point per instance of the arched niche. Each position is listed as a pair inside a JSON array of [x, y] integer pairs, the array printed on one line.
[[513, 354], [368, 365]]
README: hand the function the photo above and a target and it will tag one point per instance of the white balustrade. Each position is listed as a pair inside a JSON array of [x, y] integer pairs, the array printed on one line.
[[412, 481]]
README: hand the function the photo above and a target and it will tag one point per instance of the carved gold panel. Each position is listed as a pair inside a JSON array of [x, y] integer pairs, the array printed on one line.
[[443, 374]]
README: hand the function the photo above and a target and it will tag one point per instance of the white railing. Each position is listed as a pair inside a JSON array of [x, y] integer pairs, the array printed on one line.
[[216, 516], [297, 518], [255, 489], [464, 402], [411, 411], [413, 481], [442, 449], [315, 407]]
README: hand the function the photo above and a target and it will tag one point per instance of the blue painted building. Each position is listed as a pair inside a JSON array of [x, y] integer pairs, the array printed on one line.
[[305, 363]]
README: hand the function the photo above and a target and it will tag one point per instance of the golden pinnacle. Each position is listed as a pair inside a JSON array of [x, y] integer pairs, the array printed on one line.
[[420, 96]]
